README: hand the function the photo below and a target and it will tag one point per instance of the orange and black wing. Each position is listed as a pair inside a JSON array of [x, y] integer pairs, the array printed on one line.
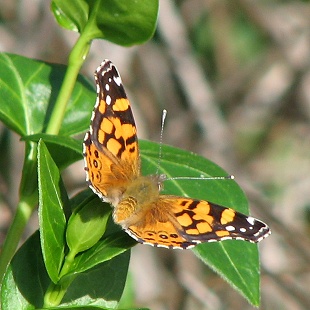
[[111, 149], [185, 222]]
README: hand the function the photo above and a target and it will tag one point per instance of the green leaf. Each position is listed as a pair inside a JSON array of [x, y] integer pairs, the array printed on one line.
[[236, 261], [124, 22], [113, 243], [106, 249], [69, 15], [52, 219], [101, 286], [180, 163], [87, 225], [58, 146], [26, 279], [28, 92]]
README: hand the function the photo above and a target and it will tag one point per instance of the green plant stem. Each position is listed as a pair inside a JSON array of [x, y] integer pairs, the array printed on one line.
[[68, 263], [76, 60], [77, 57], [28, 200], [56, 292], [22, 215]]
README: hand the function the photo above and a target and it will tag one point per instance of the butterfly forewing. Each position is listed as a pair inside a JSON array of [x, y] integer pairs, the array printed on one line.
[[111, 146]]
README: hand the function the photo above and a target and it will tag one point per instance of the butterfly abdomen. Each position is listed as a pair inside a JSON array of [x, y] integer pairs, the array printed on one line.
[[124, 211]]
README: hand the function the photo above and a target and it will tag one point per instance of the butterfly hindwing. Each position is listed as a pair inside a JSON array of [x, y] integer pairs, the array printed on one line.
[[184, 222], [162, 234], [203, 221]]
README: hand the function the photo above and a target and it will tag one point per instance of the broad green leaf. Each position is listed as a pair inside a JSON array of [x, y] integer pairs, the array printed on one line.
[[26, 279], [101, 286], [106, 249], [236, 261], [86, 226], [124, 22], [71, 15], [58, 146], [26, 282], [52, 219], [180, 163], [79, 198], [28, 91]]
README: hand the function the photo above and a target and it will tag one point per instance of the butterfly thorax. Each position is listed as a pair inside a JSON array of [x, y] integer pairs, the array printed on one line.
[[139, 196]]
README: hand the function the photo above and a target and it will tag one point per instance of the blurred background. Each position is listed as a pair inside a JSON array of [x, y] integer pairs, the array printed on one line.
[[235, 79]]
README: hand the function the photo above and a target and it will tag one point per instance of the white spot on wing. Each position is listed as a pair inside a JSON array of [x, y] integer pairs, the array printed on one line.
[[230, 228], [251, 220], [108, 100], [241, 238], [117, 80], [107, 87], [97, 88], [225, 238]]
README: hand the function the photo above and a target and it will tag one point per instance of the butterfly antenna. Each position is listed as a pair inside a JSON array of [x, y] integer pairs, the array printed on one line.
[[202, 177], [160, 153]]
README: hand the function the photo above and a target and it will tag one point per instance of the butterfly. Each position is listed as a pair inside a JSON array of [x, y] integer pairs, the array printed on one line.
[[113, 172]]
